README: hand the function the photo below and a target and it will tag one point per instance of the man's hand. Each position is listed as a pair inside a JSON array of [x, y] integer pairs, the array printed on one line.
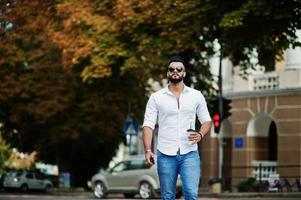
[[149, 157], [194, 137]]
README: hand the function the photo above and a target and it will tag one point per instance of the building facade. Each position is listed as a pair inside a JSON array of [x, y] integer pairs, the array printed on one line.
[[263, 134], [264, 128]]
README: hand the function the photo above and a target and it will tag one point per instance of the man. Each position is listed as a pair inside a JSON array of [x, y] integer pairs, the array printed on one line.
[[175, 108]]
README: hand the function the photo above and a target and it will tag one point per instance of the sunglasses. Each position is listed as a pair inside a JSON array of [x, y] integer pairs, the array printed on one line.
[[172, 69]]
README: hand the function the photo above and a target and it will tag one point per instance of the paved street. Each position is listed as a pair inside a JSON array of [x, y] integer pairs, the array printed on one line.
[[87, 196]]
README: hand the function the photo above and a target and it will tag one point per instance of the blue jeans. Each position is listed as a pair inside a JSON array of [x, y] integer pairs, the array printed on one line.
[[187, 165]]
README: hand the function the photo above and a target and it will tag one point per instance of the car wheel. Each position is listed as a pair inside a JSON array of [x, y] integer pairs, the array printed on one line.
[[128, 195], [146, 190], [99, 190], [24, 188], [48, 188]]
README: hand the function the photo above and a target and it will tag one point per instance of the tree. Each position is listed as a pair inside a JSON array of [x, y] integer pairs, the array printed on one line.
[[5, 151], [44, 104], [249, 27], [146, 33], [71, 124], [129, 35]]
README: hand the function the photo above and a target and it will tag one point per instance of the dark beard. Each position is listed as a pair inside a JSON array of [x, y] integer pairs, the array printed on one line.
[[175, 80]]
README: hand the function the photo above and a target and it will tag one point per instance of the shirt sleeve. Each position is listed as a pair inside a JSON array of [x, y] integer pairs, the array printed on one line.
[[202, 110], [151, 113]]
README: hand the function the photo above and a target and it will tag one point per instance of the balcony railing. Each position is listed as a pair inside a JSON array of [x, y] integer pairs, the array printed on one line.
[[263, 169], [265, 81]]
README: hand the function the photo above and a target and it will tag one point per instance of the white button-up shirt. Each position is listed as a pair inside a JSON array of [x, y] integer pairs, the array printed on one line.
[[174, 119]]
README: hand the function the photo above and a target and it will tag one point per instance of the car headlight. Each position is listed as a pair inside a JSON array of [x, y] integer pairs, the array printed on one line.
[[89, 184], [16, 179]]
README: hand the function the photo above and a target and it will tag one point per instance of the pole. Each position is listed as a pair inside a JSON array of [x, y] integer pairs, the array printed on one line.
[[220, 83], [130, 145], [219, 138], [129, 136], [260, 172]]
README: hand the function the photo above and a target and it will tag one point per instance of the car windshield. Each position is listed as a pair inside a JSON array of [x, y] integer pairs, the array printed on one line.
[[15, 173], [119, 167], [129, 165]]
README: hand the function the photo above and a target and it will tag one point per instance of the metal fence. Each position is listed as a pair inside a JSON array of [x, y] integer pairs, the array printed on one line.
[[262, 171]]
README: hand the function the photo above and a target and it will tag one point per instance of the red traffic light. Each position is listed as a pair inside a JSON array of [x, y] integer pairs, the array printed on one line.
[[216, 122], [216, 117]]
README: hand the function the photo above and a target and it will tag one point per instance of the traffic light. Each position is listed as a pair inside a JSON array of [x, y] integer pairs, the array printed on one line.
[[226, 108], [216, 122], [216, 117], [220, 113]]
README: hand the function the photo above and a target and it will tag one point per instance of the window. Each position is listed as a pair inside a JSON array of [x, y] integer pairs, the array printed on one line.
[[122, 166], [136, 164], [29, 175], [39, 176], [15, 174]]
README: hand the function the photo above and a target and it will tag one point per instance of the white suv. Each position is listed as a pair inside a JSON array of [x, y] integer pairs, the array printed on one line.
[[26, 180], [130, 177]]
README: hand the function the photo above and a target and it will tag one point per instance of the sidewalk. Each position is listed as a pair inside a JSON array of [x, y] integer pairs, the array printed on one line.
[[223, 195], [251, 194]]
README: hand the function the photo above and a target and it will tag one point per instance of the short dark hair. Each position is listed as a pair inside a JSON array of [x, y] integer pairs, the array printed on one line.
[[177, 59]]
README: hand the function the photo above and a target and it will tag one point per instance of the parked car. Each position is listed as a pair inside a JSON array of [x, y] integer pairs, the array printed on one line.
[[26, 180], [130, 177]]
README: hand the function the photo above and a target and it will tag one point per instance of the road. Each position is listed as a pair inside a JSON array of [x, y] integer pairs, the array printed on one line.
[[86, 196]]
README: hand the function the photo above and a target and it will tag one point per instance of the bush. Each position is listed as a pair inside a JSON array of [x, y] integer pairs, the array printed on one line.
[[5, 151], [252, 185]]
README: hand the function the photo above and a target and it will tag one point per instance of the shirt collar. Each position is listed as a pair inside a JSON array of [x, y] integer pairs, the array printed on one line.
[[167, 91]]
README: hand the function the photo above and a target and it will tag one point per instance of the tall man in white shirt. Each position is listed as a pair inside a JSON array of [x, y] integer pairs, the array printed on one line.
[[175, 109]]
